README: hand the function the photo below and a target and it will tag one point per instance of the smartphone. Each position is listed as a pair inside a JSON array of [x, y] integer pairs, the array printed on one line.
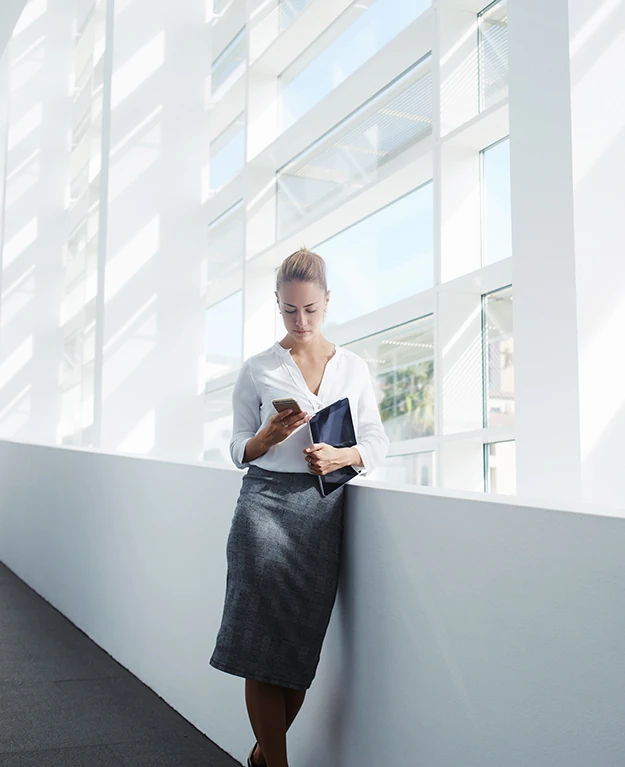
[[286, 403]]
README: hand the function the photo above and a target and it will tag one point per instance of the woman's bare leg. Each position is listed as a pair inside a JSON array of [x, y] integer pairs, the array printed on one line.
[[266, 707], [293, 703], [294, 700]]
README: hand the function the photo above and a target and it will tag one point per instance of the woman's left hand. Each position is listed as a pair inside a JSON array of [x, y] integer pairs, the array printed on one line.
[[322, 458]]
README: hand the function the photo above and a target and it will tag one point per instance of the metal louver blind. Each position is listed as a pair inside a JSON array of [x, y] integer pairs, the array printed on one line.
[[493, 54], [230, 61], [348, 158], [289, 10]]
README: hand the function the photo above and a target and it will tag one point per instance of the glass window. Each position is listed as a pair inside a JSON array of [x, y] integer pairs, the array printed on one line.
[[360, 32], [410, 469], [401, 361], [289, 10], [500, 465], [218, 425], [229, 65], [496, 208], [219, 6], [224, 263], [224, 336], [498, 359], [493, 53], [349, 157], [381, 259], [227, 154]]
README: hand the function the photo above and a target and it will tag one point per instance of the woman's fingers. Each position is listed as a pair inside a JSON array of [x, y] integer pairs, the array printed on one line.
[[297, 420]]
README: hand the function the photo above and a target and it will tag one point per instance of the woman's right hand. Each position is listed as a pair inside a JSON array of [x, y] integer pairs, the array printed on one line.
[[280, 425]]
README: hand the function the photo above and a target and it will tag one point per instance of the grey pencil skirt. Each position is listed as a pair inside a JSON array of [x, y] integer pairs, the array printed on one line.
[[283, 555]]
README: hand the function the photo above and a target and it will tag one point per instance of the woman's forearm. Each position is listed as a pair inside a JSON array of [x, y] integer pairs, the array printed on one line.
[[258, 445], [352, 457], [255, 447]]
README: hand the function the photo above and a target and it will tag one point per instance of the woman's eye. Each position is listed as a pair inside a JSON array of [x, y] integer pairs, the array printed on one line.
[[311, 311], [288, 312]]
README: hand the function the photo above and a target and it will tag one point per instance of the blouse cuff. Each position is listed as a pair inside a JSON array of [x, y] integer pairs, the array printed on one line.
[[365, 460], [238, 452]]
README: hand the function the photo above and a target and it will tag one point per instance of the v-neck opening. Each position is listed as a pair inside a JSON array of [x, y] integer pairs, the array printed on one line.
[[302, 382]]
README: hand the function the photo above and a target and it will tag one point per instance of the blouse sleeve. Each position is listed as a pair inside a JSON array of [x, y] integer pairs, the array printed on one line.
[[246, 414], [372, 441]]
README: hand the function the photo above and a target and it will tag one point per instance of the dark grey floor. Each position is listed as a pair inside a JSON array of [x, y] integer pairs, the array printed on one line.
[[64, 702]]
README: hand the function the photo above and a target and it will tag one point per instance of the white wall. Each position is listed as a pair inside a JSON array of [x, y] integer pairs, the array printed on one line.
[[597, 60], [39, 63], [567, 157], [467, 632], [154, 322], [545, 315]]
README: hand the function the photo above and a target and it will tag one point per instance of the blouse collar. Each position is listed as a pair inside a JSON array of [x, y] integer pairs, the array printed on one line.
[[298, 378], [287, 352]]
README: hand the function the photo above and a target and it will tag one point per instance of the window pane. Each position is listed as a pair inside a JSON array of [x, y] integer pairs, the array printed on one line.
[[381, 259], [218, 425], [289, 10], [401, 362], [227, 154], [499, 363], [219, 6], [224, 263], [501, 468], [229, 65], [224, 336], [497, 229], [360, 32], [493, 54], [414, 469], [348, 159]]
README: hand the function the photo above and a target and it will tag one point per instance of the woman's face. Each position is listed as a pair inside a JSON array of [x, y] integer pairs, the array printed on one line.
[[302, 305]]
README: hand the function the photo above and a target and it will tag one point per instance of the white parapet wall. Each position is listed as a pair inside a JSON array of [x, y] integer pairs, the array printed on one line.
[[468, 632]]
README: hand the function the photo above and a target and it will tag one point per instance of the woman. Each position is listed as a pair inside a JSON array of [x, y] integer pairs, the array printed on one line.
[[283, 550]]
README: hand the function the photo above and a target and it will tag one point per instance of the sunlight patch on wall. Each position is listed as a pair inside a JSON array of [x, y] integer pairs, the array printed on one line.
[[601, 352], [141, 438], [15, 414], [145, 62], [34, 10], [17, 296], [129, 260], [16, 361], [25, 126], [135, 161], [20, 241], [129, 347]]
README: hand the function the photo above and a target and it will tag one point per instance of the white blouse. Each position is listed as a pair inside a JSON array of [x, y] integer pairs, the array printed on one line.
[[273, 374]]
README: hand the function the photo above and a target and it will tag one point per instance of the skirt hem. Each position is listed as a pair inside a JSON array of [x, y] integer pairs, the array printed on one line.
[[255, 677]]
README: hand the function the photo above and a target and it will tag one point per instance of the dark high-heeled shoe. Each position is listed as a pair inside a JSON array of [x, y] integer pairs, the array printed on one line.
[[250, 760]]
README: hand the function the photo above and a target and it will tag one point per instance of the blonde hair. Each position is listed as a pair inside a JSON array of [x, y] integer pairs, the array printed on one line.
[[303, 266]]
